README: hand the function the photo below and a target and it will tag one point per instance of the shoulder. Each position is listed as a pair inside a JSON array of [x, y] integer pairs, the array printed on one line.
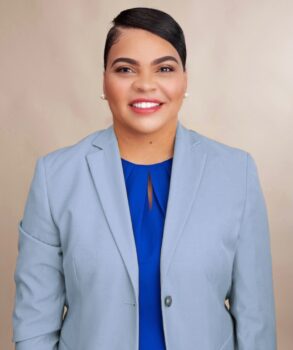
[[221, 156], [71, 156], [217, 149], [215, 146]]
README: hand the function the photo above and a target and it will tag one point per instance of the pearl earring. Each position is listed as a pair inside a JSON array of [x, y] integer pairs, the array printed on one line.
[[186, 94], [103, 97]]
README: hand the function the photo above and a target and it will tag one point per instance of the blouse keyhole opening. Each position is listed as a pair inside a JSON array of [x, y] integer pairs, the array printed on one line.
[[150, 192]]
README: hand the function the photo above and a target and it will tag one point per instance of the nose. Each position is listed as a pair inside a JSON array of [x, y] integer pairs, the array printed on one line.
[[144, 82]]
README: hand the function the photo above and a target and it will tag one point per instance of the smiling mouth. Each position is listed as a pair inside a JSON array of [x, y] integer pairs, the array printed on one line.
[[145, 105]]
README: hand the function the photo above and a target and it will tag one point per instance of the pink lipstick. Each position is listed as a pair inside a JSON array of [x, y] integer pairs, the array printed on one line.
[[145, 106]]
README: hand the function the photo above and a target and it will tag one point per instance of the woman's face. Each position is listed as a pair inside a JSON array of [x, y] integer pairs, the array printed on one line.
[[143, 66]]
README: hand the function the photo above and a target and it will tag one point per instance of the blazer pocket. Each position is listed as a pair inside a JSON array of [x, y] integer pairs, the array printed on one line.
[[228, 343]]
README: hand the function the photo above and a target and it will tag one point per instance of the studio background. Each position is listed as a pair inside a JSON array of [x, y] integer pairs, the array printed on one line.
[[239, 62]]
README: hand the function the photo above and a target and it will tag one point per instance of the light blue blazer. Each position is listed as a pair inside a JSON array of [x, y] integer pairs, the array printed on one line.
[[76, 248]]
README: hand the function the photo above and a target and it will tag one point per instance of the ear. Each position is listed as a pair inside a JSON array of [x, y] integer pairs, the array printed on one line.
[[185, 79], [104, 83]]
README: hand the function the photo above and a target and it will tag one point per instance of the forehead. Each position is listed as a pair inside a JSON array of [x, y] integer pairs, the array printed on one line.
[[142, 45]]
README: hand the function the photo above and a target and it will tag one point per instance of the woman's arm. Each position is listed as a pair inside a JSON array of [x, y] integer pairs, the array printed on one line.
[[46, 341], [40, 289], [252, 296]]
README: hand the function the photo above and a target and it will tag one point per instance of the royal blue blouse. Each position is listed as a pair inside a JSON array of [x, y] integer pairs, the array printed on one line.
[[148, 224]]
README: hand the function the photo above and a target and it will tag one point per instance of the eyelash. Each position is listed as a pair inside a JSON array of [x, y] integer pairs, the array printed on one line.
[[119, 70]]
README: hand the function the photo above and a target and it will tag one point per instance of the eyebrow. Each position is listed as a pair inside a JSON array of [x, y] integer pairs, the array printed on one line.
[[154, 62]]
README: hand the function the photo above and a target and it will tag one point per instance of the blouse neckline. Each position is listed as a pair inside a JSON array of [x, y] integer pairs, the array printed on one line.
[[146, 165]]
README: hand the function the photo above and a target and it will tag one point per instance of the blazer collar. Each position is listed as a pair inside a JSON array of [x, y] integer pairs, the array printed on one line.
[[106, 169]]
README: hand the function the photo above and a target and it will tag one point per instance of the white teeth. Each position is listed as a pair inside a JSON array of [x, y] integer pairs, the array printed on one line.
[[145, 104]]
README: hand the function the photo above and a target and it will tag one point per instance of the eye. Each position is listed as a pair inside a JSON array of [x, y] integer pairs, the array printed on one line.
[[123, 69], [166, 69]]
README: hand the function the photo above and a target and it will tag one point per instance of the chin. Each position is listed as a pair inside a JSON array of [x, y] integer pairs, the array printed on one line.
[[147, 125]]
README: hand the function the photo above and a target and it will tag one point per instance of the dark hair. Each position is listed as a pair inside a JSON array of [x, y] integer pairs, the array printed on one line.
[[152, 20]]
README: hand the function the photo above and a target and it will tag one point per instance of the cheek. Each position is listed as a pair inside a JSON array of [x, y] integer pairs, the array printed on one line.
[[116, 89], [175, 91], [174, 88]]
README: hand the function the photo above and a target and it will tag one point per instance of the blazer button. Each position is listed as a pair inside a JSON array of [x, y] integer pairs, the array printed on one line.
[[168, 300]]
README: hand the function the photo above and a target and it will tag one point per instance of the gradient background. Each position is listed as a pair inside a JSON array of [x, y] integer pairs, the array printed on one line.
[[240, 64]]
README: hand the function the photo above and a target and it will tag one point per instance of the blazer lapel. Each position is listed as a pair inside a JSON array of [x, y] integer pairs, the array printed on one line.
[[107, 173], [189, 160]]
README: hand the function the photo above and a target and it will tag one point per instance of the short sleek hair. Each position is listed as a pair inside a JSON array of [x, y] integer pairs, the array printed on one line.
[[152, 20]]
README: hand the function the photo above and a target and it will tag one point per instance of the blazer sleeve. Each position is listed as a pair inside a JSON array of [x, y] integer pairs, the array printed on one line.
[[39, 279], [252, 296]]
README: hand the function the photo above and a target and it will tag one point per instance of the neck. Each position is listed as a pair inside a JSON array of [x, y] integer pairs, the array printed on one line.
[[146, 148]]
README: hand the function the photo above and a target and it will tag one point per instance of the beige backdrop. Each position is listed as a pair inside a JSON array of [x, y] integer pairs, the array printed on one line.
[[240, 56]]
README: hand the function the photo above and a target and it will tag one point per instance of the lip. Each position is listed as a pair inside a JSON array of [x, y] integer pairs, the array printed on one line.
[[146, 110], [153, 100]]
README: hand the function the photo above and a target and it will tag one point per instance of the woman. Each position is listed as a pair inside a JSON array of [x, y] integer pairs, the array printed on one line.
[[144, 230]]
